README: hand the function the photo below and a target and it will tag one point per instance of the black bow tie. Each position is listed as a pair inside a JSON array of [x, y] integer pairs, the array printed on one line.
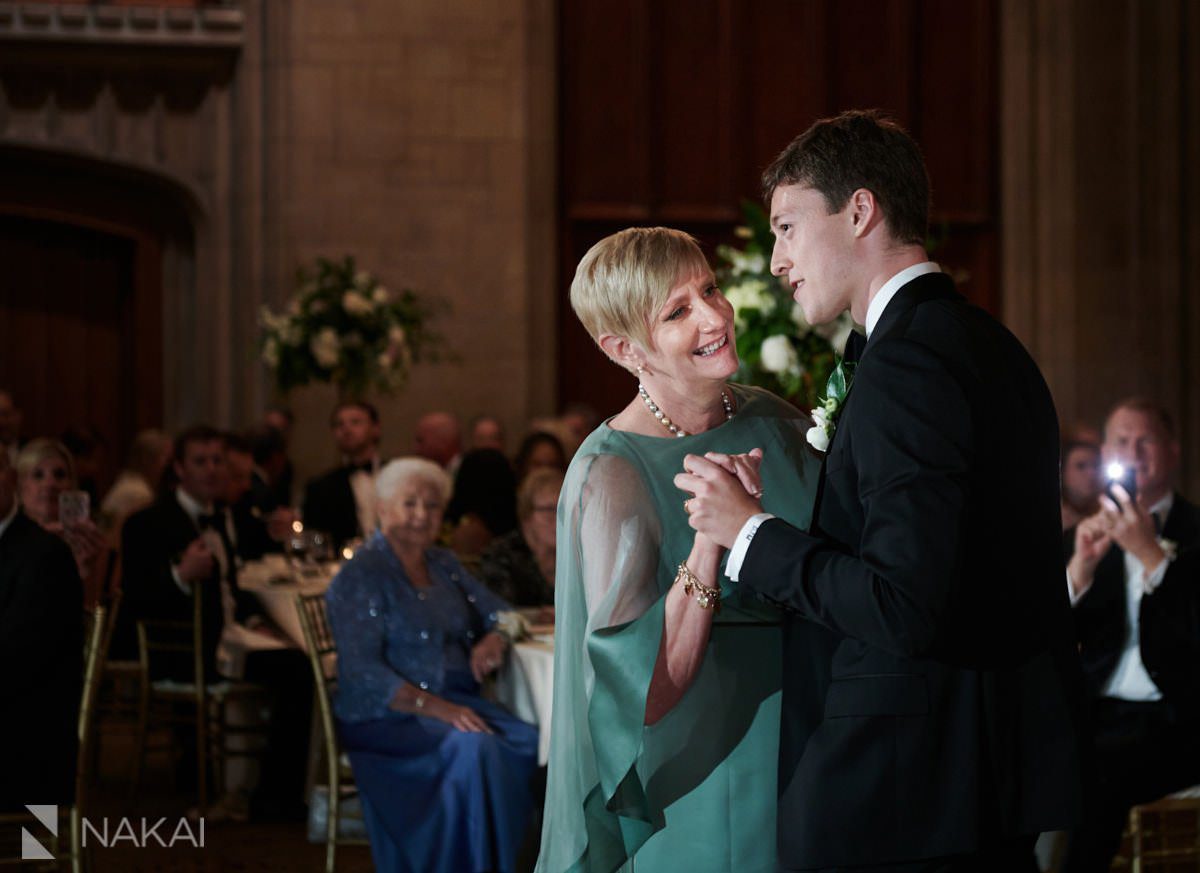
[[855, 343], [367, 467]]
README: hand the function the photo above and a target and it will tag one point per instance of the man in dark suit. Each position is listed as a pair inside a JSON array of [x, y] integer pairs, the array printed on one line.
[[189, 538], [950, 727], [341, 501], [41, 650], [1134, 577]]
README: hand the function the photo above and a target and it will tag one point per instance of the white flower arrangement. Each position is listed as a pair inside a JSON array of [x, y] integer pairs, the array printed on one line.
[[345, 328]]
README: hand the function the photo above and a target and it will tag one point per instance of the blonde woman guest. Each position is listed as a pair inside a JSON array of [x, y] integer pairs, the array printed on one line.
[[519, 566], [137, 485], [45, 470], [666, 712]]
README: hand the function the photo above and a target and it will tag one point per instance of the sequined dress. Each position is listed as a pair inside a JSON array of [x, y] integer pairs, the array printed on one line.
[[434, 798]]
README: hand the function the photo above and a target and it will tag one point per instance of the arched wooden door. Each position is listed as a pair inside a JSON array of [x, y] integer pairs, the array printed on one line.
[[81, 300]]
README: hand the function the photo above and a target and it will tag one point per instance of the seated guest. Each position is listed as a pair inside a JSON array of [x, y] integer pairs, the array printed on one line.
[[439, 439], [189, 538], [443, 774], [41, 644], [1081, 484], [258, 531], [1136, 598], [582, 419], [484, 504], [539, 451], [45, 469], [340, 502], [487, 433], [519, 566], [280, 476], [137, 485], [271, 466]]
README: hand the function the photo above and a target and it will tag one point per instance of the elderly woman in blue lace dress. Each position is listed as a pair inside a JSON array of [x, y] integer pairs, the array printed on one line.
[[444, 775]]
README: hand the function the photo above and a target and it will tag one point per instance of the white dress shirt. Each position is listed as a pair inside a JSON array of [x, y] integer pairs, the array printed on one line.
[[875, 309], [194, 509], [362, 484]]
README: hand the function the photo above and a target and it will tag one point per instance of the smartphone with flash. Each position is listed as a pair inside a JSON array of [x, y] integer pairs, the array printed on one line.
[[1123, 475]]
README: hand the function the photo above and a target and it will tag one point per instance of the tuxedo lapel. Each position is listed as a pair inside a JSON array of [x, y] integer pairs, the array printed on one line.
[[1181, 524]]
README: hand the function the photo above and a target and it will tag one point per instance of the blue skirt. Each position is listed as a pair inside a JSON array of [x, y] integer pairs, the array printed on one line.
[[439, 799]]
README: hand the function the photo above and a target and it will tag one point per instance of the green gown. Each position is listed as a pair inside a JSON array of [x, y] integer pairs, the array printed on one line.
[[695, 792]]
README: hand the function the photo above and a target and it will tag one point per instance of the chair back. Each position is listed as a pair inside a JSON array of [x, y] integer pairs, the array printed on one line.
[[95, 635], [176, 637], [322, 653]]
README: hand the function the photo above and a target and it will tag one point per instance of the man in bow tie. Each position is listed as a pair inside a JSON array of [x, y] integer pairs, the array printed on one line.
[[941, 736], [341, 501], [1134, 582], [189, 538]]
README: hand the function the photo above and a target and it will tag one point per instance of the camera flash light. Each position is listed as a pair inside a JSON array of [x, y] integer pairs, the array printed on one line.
[[1115, 471]]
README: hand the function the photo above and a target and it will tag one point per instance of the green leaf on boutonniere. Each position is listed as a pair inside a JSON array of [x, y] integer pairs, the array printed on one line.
[[839, 382]]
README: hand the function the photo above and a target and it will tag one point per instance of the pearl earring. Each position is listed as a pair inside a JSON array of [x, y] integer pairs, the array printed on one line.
[[640, 369]]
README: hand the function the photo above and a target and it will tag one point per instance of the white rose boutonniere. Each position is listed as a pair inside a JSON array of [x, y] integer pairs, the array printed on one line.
[[825, 416]]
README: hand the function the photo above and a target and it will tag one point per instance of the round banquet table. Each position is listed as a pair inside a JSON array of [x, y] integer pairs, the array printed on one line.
[[276, 586]]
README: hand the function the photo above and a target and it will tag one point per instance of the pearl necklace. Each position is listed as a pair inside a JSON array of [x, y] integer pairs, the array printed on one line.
[[666, 422]]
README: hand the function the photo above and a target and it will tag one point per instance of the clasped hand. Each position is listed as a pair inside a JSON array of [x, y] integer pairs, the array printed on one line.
[[725, 490]]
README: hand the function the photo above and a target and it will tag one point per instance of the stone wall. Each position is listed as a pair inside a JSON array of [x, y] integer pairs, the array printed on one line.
[[418, 137]]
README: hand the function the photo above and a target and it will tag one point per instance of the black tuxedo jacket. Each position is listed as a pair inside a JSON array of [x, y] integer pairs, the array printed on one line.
[[329, 506], [951, 715], [1168, 618], [41, 658], [151, 541]]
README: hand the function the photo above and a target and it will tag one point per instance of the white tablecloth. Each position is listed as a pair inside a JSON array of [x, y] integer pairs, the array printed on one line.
[[525, 684], [279, 598]]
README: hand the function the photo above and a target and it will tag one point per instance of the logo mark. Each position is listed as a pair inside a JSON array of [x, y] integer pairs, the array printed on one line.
[[31, 848]]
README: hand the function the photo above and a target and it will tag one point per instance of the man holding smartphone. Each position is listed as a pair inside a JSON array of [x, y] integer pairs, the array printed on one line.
[[1134, 576]]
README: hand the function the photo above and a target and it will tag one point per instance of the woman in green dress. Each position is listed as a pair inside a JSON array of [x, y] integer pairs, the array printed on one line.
[[665, 730]]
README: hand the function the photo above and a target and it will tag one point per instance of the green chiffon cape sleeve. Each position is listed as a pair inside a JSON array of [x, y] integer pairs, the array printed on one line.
[[621, 533]]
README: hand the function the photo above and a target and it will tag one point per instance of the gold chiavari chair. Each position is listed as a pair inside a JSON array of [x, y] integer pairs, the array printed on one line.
[[1165, 834], [201, 703], [322, 656]]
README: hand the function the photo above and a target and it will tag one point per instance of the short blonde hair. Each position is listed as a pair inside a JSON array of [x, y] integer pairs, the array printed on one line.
[[38, 450], [625, 279], [395, 474]]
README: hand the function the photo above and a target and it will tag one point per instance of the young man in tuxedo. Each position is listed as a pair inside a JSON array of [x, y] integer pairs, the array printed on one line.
[[1134, 577], [341, 501], [41, 645], [189, 538], [949, 732]]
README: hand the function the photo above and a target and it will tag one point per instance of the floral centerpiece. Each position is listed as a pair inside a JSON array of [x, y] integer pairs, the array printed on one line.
[[343, 327], [778, 349]]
